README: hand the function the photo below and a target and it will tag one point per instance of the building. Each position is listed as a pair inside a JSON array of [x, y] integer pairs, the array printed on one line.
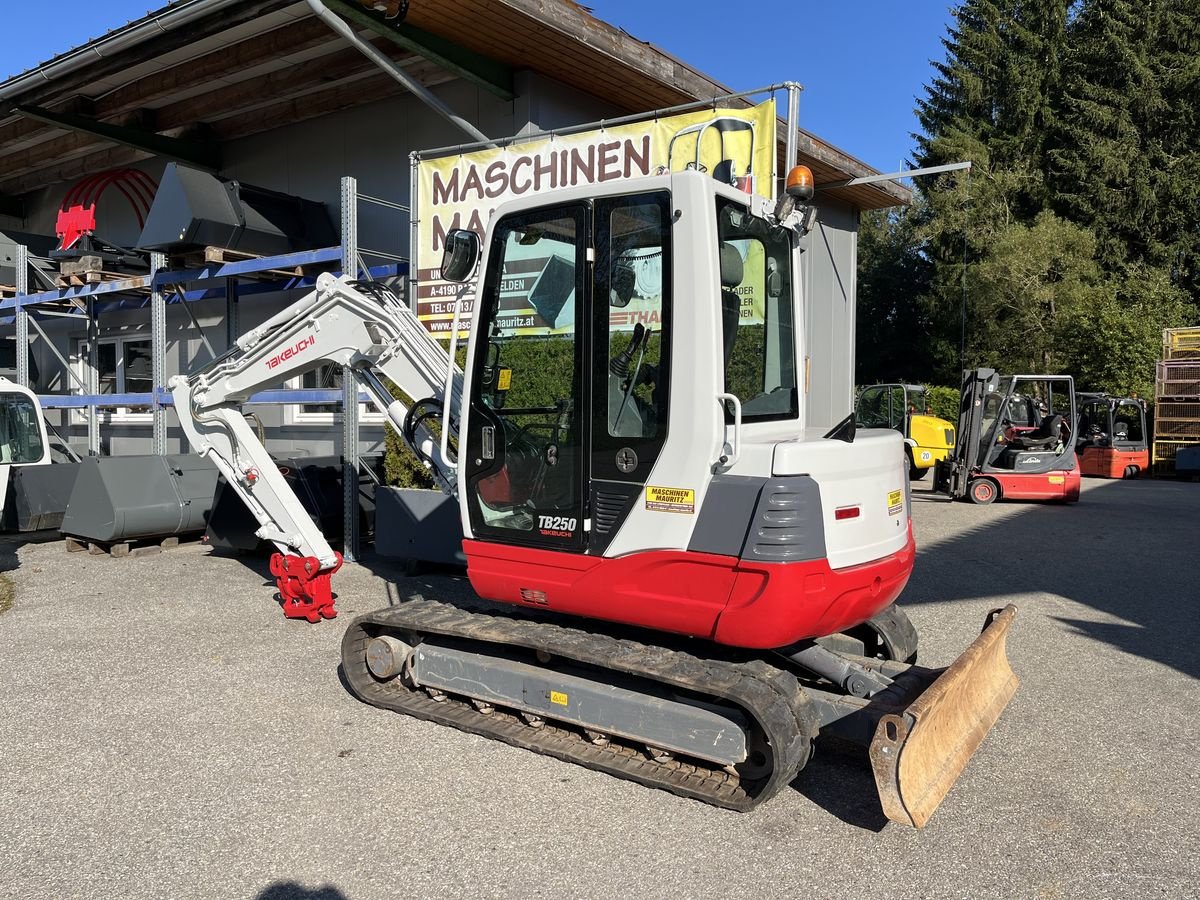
[[266, 92]]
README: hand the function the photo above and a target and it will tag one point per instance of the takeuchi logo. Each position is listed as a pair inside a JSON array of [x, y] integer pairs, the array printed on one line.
[[300, 346]]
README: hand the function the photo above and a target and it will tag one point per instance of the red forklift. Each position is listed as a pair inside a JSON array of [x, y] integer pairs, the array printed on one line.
[[1112, 436], [1016, 440]]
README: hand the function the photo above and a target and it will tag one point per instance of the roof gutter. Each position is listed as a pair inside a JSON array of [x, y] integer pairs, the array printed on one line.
[[177, 16], [326, 15]]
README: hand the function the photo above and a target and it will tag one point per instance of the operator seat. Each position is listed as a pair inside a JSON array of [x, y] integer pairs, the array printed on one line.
[[732, 271], [1043, 438]]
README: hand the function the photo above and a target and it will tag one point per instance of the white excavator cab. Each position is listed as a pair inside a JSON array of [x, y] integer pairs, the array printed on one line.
[[650, 413], [23, 437]]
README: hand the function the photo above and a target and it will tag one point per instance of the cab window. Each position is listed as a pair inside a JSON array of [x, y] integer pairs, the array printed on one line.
[[20, 434], [756, 314]]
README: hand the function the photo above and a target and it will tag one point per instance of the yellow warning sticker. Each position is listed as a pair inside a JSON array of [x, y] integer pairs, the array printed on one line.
[[1057, 479], [666, 499], [558, 697], [504, 379], [895, 503]]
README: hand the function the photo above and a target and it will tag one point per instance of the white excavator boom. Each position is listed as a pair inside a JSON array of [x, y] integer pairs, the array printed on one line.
[[362, 326]]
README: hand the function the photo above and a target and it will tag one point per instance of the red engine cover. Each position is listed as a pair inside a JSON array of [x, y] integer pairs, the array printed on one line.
[[1108, 462], [723, 598], [1062, 484]]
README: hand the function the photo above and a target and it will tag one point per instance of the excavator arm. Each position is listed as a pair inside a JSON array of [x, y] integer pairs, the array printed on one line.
[[362, 326]]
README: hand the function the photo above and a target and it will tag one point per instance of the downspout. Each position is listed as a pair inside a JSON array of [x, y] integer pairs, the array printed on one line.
[[322, 12]]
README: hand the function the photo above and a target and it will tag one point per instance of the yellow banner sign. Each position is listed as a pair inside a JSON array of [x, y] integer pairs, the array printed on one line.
[[462, 192]]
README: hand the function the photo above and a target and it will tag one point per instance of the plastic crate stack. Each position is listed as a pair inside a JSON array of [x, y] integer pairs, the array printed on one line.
[[1176, 397]]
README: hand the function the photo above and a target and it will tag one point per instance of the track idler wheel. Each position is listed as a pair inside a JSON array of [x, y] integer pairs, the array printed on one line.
[[889, 635]]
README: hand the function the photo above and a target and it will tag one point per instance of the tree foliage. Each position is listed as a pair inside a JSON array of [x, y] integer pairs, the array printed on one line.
[[1075, 238], [895, 333]]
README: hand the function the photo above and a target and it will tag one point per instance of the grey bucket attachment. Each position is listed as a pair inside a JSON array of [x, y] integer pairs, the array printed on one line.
[[193, 209], [316, 482], [121, 498], [37, 496], [419, 526]]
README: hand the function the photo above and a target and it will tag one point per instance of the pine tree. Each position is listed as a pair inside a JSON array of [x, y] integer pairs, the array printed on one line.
[[996, 90], [1104, 157], [1077, 232], [1176, 64], [894, 337], [962, 96]]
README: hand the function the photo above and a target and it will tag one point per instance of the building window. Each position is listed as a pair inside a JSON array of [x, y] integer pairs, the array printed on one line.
[[328, 377], [123, 366]]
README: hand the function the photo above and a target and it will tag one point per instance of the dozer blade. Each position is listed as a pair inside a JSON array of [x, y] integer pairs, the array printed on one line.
[[918, 754]]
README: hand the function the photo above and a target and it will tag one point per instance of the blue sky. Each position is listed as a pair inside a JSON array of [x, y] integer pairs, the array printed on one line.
[[862, 62]]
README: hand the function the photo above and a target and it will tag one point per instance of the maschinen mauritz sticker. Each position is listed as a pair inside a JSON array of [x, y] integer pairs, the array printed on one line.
[[895, 503], [666, 499]]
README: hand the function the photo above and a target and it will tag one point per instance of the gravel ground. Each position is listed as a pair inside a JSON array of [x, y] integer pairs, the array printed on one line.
[[164, 732]]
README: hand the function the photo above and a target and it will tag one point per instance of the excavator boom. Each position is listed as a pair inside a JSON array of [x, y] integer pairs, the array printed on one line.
[[363, 327]]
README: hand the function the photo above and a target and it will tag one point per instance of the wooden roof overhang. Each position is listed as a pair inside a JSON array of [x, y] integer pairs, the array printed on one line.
[[250, 66]]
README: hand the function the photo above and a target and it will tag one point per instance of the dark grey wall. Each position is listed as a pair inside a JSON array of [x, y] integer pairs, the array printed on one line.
[[830, 261]]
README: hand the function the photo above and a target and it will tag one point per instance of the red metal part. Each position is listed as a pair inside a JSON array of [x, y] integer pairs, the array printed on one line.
[[732, 601], [73, 223], [304, 587], [1108, 462], [77, 216], [1062, 484]]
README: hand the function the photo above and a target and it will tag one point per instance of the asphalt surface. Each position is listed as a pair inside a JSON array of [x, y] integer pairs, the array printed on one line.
[[164, 732]]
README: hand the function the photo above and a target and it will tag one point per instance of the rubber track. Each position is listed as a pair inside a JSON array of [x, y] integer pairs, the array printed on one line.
[[771, 697]]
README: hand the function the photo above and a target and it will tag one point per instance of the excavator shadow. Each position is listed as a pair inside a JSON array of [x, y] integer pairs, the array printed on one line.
[[839, 780]]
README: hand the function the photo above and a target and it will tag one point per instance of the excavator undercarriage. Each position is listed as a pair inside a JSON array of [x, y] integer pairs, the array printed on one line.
[[726, 727]]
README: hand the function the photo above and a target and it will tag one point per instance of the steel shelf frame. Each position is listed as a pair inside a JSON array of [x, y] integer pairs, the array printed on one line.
[[163, 287]]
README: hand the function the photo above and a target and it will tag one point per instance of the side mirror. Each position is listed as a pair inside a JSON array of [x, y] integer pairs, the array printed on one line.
[[774, 280], [623, 284], [460, 255]]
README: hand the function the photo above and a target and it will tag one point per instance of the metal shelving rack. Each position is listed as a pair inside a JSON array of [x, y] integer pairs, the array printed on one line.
[[1176, 397], [164, 286]]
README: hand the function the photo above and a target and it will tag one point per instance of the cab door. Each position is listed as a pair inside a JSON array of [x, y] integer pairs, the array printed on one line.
[[528, 429], [631, 356]]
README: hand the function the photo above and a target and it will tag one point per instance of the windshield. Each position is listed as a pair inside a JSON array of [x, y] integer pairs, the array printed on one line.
[[20, 436]]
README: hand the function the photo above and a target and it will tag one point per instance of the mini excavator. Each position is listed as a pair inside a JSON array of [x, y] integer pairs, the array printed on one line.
[[688, 583]]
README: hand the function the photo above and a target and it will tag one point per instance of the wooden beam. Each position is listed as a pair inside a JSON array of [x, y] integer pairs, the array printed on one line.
[[490, 75], [48, 154], [321, 103], [72, 170], [19, 130], [279, 42], [562, 37], [198, 153], [156, 45], [71, 156], [262, 90]]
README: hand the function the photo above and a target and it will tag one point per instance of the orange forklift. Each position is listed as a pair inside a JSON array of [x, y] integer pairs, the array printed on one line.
[[1112, 436], [1016, 440]]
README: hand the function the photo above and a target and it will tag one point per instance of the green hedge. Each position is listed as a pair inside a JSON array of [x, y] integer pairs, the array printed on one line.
[[945, 402]]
